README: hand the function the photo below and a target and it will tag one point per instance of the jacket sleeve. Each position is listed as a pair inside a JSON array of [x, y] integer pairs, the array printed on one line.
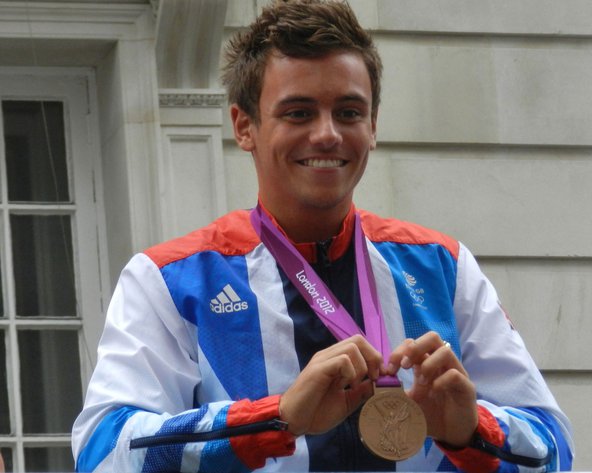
[[521, 427], [144, 386]]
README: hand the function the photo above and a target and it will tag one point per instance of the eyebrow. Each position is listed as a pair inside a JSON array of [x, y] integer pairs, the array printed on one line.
[[302, 99]]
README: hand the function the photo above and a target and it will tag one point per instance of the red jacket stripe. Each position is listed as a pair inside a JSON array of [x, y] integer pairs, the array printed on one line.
[[231, 235], [393, 230], [269, 444]]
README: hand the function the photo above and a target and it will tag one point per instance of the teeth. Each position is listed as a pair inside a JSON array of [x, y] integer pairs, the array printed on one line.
[[323, 163]]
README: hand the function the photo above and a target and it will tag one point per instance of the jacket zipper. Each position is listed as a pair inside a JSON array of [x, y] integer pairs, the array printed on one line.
[[216, 434], [323, 261]]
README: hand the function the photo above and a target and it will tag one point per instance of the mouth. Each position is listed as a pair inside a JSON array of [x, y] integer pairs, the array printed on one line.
[[323, 163]]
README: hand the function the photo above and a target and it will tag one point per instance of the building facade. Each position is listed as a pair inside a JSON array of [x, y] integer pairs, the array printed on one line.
[[114, 135]]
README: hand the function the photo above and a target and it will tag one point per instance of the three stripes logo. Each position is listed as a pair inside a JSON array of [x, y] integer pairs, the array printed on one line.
[[227, 301]]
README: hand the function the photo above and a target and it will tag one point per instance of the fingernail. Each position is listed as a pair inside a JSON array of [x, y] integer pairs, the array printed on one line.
[[422, 380], [406, 363]]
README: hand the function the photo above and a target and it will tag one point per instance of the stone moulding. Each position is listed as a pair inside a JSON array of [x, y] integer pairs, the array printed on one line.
[[191, 99]]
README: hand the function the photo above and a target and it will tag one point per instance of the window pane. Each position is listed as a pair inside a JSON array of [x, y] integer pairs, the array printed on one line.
[[49, 459], [43, 273], [51, 388], [7, 456], [4, 413], [35, 151]]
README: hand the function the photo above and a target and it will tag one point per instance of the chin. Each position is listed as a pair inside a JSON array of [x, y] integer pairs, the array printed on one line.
[[324, 202]]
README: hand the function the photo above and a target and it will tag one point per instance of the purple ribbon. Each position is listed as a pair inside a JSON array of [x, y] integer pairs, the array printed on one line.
[[320, 298]]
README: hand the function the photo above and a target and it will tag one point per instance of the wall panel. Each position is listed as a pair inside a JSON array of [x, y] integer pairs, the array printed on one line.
[[548, 302], [443, 89], [518, 202]]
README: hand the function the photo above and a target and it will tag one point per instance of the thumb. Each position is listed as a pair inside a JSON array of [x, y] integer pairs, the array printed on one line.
[[357, 395]]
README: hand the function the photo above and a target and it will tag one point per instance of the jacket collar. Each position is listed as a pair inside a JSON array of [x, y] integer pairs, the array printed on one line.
[[338, 245]]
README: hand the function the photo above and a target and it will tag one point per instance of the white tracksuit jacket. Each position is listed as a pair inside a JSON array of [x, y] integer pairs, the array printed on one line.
[[204, 331]]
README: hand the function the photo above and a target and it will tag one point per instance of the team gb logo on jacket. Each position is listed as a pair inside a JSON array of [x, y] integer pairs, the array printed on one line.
[[416, 293]]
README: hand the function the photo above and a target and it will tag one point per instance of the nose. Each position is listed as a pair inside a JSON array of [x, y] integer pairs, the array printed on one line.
[[326, 133]]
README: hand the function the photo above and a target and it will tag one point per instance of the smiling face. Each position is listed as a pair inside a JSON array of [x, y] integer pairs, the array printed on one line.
[[314, 133]]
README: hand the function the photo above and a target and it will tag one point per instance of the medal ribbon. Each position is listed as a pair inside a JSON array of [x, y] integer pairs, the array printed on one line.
[[320, 298]]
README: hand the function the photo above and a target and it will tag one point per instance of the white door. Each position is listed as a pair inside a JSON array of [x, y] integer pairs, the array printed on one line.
[[50, 261]]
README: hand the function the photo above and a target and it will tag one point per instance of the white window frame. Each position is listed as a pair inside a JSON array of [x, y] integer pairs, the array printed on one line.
[[76, 88]]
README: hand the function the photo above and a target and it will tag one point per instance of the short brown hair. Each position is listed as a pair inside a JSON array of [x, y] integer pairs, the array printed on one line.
[[295, 28]]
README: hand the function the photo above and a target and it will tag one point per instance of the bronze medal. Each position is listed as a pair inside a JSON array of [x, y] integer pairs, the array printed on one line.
[[392, 425]]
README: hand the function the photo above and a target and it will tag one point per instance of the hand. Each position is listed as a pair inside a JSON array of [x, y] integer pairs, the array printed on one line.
[[441, 387], [331, 387]]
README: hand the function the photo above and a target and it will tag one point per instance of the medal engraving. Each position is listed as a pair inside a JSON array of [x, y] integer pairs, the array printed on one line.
[[392, 425]]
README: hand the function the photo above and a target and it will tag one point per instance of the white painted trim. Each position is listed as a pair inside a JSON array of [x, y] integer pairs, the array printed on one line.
[[177, 222], [72, 20]]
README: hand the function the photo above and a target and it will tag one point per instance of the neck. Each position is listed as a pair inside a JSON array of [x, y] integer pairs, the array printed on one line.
[[310, 225]]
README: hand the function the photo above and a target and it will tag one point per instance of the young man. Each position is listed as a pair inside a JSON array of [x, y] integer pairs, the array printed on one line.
[[225, 351]]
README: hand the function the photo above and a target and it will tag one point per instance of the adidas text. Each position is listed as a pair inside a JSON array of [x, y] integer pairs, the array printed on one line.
[[227, 301], [229, 307]]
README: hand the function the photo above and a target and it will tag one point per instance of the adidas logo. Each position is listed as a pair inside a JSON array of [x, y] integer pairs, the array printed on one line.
[[227, 301]]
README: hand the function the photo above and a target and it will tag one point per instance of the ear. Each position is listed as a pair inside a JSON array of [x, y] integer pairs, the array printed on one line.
[[242, 125]]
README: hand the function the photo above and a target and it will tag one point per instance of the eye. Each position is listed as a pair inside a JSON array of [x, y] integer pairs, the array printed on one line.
[[297, 115], [349, 114]]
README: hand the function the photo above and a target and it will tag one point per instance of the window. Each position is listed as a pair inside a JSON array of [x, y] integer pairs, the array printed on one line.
[[50, 260]]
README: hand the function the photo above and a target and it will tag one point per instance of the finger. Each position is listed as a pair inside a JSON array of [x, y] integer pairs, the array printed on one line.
[[358, 395], [341, 369], [440, 361], [396, 357], [349, 369], [427, 344], [365, 357], [372, 357], [456, 384]]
